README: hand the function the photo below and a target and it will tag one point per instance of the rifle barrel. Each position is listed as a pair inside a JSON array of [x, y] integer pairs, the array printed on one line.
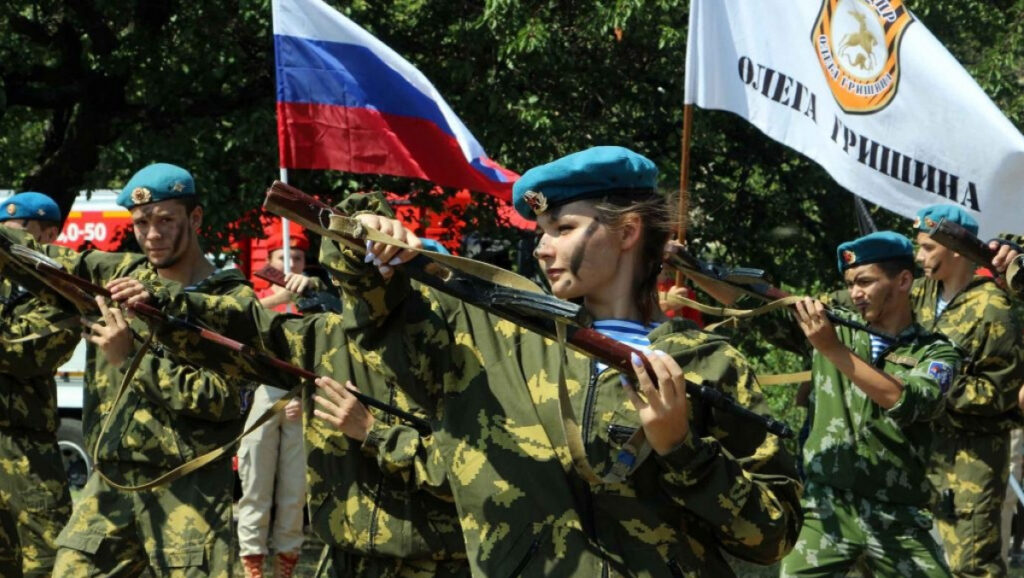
[[153, 314]]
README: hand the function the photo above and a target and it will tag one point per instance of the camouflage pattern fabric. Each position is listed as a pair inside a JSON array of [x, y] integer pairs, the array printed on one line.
[[971, 441], [844, 531], [28, 393], [34, 499], [971, 474], [877, 456], [34, 502], [1015, 273], [337, 563], [174, 412], [375, 499], [523, 509], [179, 530]]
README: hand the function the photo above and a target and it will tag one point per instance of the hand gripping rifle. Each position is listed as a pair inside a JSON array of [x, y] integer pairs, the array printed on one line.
[[728, 284], [529, 309], [82, 294], [311, 300]]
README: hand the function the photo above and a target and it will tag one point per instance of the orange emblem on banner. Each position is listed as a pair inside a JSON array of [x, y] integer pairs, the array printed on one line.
[[858, 46]]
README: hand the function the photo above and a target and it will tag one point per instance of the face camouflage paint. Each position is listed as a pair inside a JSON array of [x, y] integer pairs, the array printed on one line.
[[576, 261]]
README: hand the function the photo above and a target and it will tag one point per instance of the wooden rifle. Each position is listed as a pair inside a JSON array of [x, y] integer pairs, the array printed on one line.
[[537, 312], [311, 300], [956, 238], [83, 293], [731, 283]]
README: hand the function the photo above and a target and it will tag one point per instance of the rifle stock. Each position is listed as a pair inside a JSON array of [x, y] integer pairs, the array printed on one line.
[[275, 276], [960, 240], [538, 313]]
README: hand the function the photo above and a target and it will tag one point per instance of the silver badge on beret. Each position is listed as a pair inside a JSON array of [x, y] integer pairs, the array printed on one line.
[[11, 209], [537, 201], [178, 187], [141, 195], [41, 213]]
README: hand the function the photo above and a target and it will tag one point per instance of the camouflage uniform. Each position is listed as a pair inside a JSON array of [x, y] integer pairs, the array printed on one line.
[[971, 443], [377, 509], [524, 510], [867, 491], [173, 412], [34, 499]]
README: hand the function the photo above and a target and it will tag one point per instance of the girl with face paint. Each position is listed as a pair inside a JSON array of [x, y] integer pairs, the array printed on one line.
[[709, 483]]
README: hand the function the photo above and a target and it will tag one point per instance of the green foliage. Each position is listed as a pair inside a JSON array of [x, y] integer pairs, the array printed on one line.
[[90, 91]]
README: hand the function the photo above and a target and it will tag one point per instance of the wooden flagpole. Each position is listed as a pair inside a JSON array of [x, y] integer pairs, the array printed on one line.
[[684, 179]]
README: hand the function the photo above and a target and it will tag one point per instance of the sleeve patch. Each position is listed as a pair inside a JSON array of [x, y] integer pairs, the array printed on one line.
[[942, 373]]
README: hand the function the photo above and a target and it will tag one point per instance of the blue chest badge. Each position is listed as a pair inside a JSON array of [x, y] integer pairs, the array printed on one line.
[[941, 373]]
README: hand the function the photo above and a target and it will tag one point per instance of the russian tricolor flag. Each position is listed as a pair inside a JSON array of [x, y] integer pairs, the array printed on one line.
[[346, 101]]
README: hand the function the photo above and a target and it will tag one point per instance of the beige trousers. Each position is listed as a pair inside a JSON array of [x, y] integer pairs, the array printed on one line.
[[272, 468]]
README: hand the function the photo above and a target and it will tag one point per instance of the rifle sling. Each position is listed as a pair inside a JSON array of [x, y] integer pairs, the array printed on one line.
[[193, 464], [784, 378], [677, 301], [344, 228], [634, 451]]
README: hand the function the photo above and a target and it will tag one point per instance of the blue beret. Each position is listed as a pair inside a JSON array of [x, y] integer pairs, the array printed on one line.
[[157, 182], [435, 246], [928, 217], [874, 248], [30, 206], [583, 175]]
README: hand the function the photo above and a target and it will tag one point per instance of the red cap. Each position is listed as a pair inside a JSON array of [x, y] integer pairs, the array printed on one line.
[[296, 238]]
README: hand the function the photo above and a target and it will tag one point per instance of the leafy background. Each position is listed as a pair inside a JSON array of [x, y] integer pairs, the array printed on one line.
[[90, 91]]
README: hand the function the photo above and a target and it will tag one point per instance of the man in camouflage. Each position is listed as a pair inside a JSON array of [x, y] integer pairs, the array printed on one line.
[[867, 494], [36, 338], [171, 412], [971, 443], [376, 508]]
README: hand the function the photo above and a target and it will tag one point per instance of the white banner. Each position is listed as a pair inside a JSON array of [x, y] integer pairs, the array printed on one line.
[[865, 90]]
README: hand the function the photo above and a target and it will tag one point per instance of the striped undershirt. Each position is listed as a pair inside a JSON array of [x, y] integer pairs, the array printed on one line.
[[631, 333], [878, 345]]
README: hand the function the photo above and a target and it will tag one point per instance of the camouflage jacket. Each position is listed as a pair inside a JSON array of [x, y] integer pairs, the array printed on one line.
[[173, 411], [363, 498], [498, 432], [979, 321], [1015, 277], [28, 393], [856, 445]]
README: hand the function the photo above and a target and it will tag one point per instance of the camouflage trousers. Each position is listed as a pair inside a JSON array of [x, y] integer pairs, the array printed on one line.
[[970, 473], [179, 530], [337, 563], [34, 502], [843, 531]]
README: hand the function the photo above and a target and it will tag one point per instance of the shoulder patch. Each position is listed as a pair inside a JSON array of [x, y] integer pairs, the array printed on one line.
[[942, 373]]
